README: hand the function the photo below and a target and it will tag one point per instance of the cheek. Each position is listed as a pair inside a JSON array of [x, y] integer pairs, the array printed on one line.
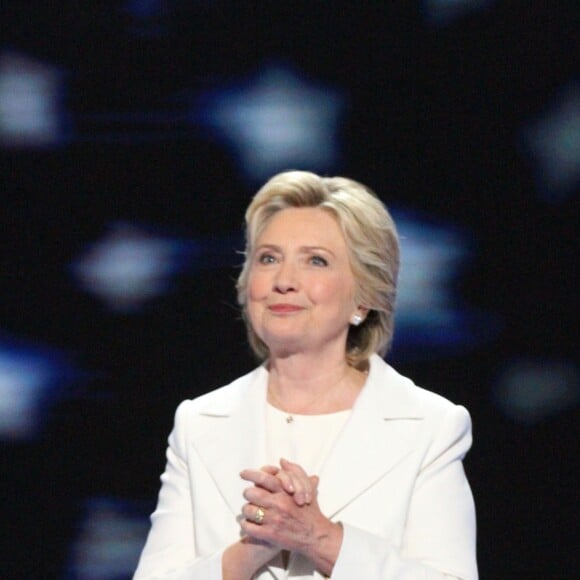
[[337, 291], [253, 300], [257, 287]]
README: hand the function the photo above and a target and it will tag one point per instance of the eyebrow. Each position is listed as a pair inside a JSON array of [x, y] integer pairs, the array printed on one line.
[[303, 249]]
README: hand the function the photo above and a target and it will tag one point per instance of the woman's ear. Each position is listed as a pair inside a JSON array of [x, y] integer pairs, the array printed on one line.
[[359, 316]]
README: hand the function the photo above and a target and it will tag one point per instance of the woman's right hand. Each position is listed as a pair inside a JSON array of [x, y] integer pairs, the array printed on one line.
[[242, 559], [294, 481], [283, 511]]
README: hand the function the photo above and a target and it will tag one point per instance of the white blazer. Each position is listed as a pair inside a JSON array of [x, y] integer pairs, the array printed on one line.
[[394, 478]]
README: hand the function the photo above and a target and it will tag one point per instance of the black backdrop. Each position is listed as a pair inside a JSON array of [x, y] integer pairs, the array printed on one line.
[[433, 117]]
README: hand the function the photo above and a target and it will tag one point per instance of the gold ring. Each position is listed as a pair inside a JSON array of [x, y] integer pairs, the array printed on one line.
[[259, 516]]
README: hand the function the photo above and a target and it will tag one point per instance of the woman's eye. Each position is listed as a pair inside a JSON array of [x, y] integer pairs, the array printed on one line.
[[318, 261], [266, 259]]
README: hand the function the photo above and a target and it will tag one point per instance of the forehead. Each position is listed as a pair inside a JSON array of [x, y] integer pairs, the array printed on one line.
[[307, 225]]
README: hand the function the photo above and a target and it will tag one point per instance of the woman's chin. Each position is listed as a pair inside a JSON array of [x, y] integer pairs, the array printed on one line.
[[285, 344]]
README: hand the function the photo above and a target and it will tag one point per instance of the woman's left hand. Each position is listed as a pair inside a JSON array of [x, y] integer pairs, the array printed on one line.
[[272, 515]]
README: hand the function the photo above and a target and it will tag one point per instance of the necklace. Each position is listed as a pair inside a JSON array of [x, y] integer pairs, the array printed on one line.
[[275, 400]]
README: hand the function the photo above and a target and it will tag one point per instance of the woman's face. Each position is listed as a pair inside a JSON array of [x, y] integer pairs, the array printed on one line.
[[301, 287]]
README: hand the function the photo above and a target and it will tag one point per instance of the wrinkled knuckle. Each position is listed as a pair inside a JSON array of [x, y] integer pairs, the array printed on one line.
[[284, 511], [277, 522]]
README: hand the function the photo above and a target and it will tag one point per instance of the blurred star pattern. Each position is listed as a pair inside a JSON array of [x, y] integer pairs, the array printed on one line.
[[132, 137]]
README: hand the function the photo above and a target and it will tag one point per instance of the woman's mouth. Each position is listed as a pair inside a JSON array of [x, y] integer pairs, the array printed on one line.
[[284, 308]]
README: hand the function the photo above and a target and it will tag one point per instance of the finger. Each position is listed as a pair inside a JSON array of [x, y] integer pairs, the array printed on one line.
[[258, 496], [314, 481], [286, 480], [257, 532], [254, 513], [303, 488], [271, 469], [262, 479], [293, 467]]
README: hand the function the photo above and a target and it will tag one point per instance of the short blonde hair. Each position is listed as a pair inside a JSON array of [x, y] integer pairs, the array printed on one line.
[[371, 238]]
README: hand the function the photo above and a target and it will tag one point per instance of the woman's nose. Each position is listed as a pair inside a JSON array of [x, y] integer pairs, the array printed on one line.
[[285, 280]]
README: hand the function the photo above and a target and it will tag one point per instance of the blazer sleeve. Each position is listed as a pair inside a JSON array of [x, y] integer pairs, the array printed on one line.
[[169, 551], [440, 533]]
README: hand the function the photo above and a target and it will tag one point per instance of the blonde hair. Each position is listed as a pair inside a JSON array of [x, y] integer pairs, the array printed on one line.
[[371, 239]]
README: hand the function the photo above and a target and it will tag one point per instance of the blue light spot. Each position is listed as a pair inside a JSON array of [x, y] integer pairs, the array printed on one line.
[[276, 120]]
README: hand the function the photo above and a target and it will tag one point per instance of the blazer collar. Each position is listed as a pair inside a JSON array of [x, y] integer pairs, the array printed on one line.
[[378, 436], [229, 434]]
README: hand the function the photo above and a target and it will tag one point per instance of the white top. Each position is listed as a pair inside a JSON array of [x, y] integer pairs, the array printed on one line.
[[302, 439]]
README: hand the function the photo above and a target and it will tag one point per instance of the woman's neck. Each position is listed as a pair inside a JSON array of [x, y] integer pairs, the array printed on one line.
[[307, 385]]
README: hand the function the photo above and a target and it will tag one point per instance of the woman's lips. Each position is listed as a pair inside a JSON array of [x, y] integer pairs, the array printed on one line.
[[284, 308]]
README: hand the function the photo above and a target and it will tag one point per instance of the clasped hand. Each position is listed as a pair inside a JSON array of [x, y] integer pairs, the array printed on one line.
[[282, 508]]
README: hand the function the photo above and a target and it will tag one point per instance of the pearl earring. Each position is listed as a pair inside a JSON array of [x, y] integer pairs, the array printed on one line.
[[356, 319]]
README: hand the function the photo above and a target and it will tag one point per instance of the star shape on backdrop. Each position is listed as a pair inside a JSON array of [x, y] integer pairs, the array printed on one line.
[[552, 139], [276, 120]]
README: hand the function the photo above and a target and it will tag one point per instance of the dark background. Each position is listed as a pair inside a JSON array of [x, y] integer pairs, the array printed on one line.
[[437, 107]]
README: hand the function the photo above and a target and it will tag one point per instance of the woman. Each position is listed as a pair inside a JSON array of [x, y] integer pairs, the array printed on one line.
[[324, 461]]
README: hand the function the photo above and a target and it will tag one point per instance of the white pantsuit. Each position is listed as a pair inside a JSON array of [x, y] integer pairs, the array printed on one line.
[[394, 479]]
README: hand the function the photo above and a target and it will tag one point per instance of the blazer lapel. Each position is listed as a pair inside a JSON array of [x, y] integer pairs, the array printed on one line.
[[379, 434], [229, 435]]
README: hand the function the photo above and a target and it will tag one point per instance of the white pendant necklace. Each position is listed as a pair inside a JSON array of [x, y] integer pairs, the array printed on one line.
[[290, 416], [275, 400], [278, 405]]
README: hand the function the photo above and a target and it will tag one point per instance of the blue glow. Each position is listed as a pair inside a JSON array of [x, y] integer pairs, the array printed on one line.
[[275, 121], [133, 264], [553, 141], [446, 11], [529, 391], [31, 379], [144, 9], [30, 102], [112, 535], [149, 17], [429, 312], [127, 267]]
